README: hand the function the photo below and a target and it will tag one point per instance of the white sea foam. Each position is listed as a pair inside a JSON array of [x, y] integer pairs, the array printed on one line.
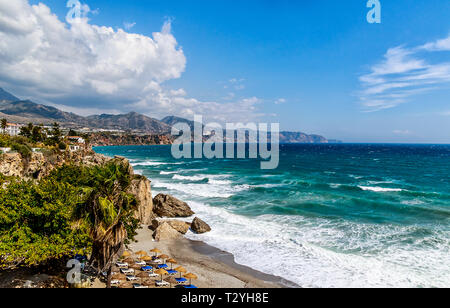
[[203, 190], [148, 163], [168, 172], [314, 252], [380, 189], [189, 178]]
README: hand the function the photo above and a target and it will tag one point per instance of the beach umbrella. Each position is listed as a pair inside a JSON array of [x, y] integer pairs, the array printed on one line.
[[172, 281], [129, 260], [120, 277], [142, 275], [163, 257], [190, 276], [155, 251], [161, 272], [181, 270], [146, 258], [126, 254], [172, 262], [135, 267], [141, 253]]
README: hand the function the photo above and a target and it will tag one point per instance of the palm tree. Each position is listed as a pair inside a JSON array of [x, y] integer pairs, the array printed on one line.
[[105, 213], [4, 125]]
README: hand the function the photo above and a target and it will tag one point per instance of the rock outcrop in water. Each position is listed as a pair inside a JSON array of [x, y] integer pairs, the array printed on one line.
[[171, 207]]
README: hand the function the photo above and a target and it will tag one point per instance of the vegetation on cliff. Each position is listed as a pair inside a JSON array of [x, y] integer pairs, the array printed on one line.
[[75, 209]]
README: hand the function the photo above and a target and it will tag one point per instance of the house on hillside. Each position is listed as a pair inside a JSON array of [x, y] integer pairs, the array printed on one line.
[[12, 129], [76, 139]]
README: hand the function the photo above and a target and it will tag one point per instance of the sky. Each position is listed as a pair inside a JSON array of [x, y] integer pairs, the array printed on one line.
[[312, 66]]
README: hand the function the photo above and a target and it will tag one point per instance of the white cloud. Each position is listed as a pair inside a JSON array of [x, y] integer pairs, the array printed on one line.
[[403, 73], [87, 68], [439, 45], [280, 101]]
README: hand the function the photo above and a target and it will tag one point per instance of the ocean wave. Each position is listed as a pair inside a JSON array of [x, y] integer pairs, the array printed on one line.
[[315, 252], [189, 178], [206, 190], [168, 172], [380, 189]]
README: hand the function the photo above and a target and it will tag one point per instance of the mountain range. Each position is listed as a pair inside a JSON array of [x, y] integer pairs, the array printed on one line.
[[25, 111]]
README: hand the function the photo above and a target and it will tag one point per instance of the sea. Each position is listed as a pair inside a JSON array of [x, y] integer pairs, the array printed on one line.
[[331, 215]]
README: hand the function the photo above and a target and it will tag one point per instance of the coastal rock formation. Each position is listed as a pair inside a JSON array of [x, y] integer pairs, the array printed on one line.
[[39, 165], [165, 232], [141, 189], [180, 226], [168, 206], [199, 226]]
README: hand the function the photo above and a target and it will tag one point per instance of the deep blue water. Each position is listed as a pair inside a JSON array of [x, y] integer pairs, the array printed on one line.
[[329, 216]]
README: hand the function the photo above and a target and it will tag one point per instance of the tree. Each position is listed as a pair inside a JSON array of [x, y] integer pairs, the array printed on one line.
[[37, 134], [26, 131], [4, 125], [56, 133], [36, 223], [107, 213]]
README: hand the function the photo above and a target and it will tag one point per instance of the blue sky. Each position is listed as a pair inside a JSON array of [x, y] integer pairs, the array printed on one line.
[[312, 66]]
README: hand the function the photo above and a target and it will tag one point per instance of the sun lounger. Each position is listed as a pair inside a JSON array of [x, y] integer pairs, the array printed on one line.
[[115, 282], [132, 278], [190, 287], [122, 265], [153, 275], [162, 284], [181, 280], [162, 266], [158, 261], [146, 268], [139, 286], [127, 271], [171, 272], [141, 263]]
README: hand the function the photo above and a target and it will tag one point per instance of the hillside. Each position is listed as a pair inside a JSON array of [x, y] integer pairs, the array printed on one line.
[[130, 121]]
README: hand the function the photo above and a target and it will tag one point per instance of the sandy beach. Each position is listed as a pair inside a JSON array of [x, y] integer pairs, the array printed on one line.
[[215, 268]]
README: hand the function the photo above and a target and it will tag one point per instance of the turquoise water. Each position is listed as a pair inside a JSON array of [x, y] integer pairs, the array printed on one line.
[[329, 216]]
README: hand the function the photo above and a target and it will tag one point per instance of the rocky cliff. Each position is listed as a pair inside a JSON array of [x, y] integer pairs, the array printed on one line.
[[39, 165]]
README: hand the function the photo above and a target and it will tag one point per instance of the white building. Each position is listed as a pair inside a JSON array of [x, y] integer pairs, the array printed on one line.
[[12, 129], [76, 139]]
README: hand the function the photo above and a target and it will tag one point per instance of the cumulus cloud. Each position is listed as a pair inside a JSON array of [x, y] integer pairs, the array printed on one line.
[[403, 73], [280, 101], [81, 66]]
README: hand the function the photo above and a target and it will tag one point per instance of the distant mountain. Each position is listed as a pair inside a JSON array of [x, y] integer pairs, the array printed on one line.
[[130, 121], [297, 137], [28, 109], [23, 111], [5, 96]]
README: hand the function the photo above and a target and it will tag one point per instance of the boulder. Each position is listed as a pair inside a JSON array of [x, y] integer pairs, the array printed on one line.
[[168, 206], [199, 226], [180, 226], [165, 232]]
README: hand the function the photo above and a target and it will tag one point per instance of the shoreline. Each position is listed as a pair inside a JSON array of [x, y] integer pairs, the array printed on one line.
[[215, 268]]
